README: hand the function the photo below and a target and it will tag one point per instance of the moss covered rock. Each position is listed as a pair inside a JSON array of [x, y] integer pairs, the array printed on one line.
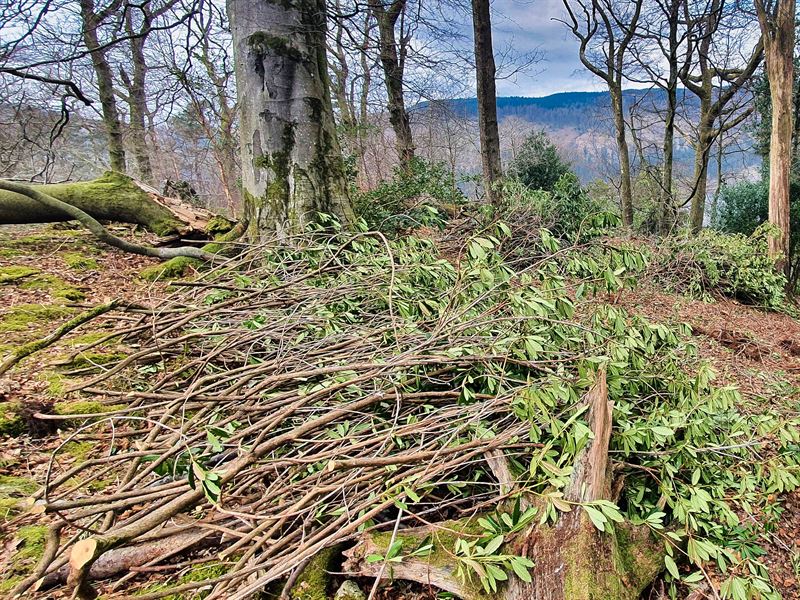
[[312, 584]]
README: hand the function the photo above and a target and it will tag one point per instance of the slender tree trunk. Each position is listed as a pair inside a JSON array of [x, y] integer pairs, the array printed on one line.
[[778, 32], [666, 201], [292, 167], [487, 100], [105, 85], [702, 154], [137, 99], [626, 188], [393, 63]]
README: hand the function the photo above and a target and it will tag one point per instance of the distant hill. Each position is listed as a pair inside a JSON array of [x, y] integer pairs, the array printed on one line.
[[580, 124], [564, 109]]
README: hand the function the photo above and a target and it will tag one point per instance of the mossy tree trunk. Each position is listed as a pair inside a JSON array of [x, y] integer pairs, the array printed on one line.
[[292, 168], [112, 197], [92, 19]]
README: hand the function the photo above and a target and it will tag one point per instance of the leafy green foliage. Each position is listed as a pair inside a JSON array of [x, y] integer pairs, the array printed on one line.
[[513, 350], [736, 266], [567, 210], [538, 165], [744, 207], [421, 195]]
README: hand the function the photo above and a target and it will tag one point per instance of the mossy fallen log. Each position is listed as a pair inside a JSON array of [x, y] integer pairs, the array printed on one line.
[[112, 197]]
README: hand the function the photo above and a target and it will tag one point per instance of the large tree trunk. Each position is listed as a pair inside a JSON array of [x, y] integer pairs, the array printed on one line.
[[626, 188], [487, 100], [702, 154], [778, 32], [112, 197], [105, 83], [292, 167], [393, 63]]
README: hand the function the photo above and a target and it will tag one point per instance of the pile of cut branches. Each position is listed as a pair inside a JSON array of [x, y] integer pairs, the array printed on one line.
[[447, 424]]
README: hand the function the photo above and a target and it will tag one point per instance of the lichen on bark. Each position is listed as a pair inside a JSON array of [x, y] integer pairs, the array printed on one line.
[[292, 164]]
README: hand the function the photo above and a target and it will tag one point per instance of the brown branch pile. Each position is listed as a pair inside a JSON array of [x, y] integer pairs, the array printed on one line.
[[283, 404]]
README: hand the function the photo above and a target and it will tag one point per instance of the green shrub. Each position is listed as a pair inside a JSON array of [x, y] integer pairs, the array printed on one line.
[[538, 165], [568, 211], [422, 195], [733, 265], [745, 205]]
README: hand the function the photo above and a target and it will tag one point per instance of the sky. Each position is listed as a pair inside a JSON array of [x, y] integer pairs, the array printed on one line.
[[529, 25]]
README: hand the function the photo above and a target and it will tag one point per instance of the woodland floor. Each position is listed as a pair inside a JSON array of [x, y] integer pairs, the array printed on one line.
[[757, 351]]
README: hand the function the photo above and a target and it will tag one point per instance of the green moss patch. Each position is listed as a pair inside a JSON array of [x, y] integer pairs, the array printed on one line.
[[79, 262], [54, 286], [30, 547], [312, 584], [14, 491], [11, 421], [14, 273], [28, 316], [93, 359], [56, 386], [78, 450], [84, 407]]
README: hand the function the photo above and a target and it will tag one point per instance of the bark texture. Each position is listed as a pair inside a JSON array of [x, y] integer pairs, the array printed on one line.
[[292, 168], [485, 72], [91, 22], [777, 23]]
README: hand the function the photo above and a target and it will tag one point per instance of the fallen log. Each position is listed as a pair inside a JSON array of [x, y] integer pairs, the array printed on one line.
[[122, 560], [101, 232], [112, 197]]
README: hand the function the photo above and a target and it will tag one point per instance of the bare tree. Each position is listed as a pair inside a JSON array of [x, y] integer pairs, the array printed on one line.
[[713, 77], [605, 30], [92, 20], [393, 53], [485, 73]]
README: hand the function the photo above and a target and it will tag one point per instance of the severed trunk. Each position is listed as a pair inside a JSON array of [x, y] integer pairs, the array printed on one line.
[[292, 168], [572, 559], [112, 197], [91, 21], [487, 100]]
